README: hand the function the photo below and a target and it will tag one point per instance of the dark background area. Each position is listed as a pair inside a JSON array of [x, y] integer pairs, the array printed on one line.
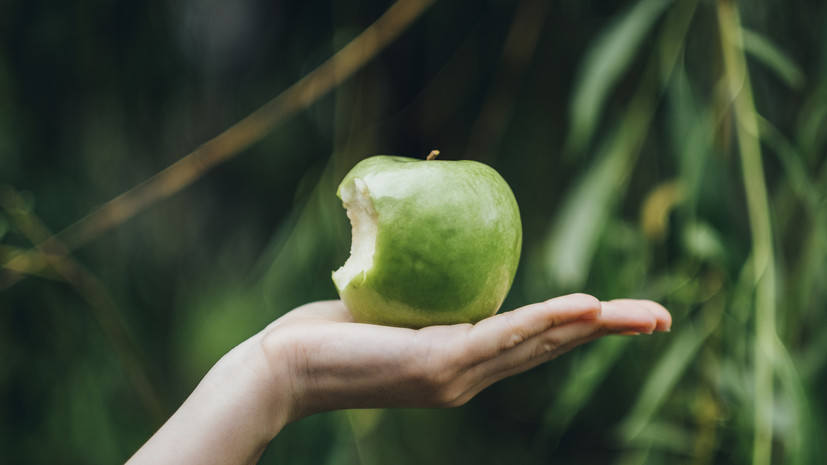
[[644, 162]]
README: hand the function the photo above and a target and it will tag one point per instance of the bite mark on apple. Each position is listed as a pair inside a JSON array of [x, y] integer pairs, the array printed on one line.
[[363, 221]]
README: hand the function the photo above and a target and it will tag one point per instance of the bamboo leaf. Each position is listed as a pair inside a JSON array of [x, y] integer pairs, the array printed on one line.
[[591, 370], [768, 53], [665, 374], [574, 236], [607, 59]]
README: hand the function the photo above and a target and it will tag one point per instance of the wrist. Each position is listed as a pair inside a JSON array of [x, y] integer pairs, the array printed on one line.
[[230, 417], [255, 387]]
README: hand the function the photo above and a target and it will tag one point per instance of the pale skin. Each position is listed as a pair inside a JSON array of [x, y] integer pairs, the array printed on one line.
[[316, 359]]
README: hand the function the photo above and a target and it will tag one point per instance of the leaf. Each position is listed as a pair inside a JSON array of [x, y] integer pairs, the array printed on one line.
[[703, 241], [765, 51], [664, 375], [607, 59], [591, 370], [798, 432], [799, 177], [571, 244], [657, 206], [665, 435]]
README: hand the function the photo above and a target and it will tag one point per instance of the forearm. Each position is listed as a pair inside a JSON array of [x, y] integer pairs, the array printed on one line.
[[228, 419]]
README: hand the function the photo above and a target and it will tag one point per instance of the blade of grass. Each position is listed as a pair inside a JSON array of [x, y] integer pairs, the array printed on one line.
[[665, 374], [611, 55], [811, 121], [690, 132], [810, 195], [572, 241], [662, 435], [765, 51], [799, 438], [590, 372], [793, 161], [809, 278]]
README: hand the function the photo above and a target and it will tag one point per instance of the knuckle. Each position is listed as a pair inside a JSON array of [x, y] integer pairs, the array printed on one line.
[[516, 334], [514, 340], [592, 300], [547, 348]]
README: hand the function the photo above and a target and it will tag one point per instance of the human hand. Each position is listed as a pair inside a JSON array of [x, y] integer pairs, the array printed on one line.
[[316, 358], [334, 363]]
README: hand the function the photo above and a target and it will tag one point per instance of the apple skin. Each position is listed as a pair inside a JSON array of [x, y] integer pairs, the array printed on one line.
[[447, 245]]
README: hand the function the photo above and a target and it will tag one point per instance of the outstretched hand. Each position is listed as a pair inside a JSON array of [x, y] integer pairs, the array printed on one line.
[[316, 358], [336, 363]]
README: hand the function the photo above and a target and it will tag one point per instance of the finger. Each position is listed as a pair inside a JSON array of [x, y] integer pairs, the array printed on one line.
[[533, 352], [662, 316], [540, 348], [617, 317], [507, 330], [634, 316]]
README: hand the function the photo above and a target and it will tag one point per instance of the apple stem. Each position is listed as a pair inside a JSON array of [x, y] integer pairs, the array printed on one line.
[[432, 155]]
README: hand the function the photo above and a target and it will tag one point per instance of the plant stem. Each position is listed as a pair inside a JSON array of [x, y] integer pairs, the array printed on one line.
[[748, 137], [93, 291], [225, 146]]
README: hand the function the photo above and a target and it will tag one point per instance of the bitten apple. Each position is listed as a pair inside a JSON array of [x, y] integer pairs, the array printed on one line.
[[433, 241]]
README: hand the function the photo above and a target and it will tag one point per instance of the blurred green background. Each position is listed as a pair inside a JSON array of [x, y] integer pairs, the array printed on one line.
[[672, 150]]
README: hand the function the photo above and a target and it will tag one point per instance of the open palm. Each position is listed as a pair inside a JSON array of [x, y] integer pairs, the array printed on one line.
[[336, 363], [316, 358]]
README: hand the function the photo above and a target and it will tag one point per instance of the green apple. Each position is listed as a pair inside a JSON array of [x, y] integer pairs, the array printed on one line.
[[433, 241]]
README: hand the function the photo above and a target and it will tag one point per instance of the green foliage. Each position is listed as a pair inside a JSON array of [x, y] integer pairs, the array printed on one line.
[[672, 150], [607, 59]]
